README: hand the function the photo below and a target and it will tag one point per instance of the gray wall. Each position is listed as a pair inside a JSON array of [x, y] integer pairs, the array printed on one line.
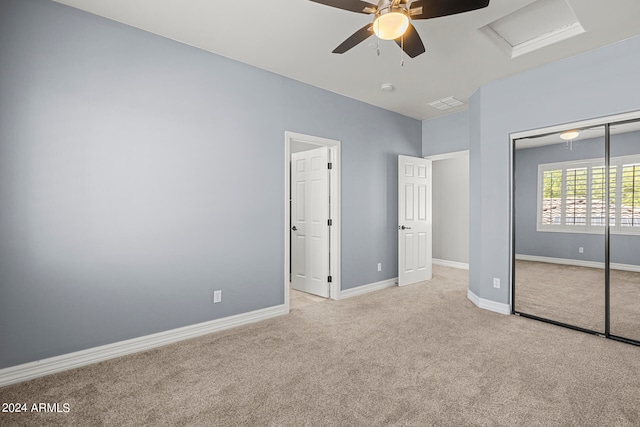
[[624, 248], [138, 174], [442, 135], [446, 134], [451, 209], [595, 84]]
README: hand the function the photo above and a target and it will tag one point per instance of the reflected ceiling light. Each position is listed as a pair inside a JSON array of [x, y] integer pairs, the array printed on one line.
[[569, 135], [391, 23]]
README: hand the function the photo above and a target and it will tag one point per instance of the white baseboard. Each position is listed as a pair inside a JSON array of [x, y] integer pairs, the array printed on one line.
[[40, 368], [578, 262], [364, 289], [486, 304], [454, 264]]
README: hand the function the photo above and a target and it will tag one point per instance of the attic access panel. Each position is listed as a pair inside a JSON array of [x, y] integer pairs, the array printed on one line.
[[540, 24]]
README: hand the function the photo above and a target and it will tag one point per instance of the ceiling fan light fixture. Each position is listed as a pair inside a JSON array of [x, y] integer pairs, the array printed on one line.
[[569, 135], [391, 23]]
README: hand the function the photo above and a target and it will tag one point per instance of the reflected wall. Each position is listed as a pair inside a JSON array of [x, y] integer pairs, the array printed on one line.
[[625, 231]]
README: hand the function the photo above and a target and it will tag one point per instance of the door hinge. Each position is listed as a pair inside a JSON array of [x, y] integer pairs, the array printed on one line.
[[329, 279], [330, 165], [329, 222]]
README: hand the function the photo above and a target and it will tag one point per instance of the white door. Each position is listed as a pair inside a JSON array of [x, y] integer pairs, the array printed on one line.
[[414, 216], [309, 221]]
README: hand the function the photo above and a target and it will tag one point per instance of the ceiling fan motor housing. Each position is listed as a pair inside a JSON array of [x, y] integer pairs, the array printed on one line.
[[390, 8]]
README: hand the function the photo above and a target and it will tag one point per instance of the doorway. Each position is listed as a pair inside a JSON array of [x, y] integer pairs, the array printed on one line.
[[576, 226], [300, 143], [451, 209]]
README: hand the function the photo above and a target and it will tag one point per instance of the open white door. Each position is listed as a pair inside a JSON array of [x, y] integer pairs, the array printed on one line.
[[310, 221], [414, 216]]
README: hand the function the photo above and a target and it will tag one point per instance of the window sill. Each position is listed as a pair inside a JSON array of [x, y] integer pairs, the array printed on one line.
[[588, 231]]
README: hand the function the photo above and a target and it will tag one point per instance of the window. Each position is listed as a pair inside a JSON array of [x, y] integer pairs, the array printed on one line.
[[630, 196], [572, 196], [575, 211]]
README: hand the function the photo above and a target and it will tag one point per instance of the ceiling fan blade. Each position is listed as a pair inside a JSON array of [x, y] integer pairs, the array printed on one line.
[[356, 38], [426, 9], [412, 44], [350, 5]]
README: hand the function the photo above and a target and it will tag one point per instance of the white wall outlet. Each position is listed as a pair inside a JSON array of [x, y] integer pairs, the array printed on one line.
[[379, 266], [496, 282], [581, 250], [217, 297]]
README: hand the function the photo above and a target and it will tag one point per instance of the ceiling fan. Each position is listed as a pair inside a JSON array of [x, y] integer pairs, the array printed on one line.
[[392, 19]]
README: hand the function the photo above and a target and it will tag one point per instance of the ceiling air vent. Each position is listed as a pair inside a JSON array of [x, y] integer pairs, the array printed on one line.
[[540, 24], [446, 103]]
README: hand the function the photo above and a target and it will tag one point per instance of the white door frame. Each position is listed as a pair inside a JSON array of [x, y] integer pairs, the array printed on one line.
[[436, 158], [334, 191]]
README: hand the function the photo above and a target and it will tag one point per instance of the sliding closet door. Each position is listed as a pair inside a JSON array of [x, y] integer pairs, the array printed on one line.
[[625, 231], [559, 228]]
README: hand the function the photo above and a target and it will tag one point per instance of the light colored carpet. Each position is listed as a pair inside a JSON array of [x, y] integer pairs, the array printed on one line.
[[575, 295], [414, 356], [625, 304], [299, 299], [568, 294]]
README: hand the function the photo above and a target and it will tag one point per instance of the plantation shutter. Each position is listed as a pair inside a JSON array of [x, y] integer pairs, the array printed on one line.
[[576, 196], [630, 196]]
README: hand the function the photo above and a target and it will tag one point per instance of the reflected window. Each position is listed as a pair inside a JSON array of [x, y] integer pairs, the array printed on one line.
[[630, 198], [576, 196], [552, 197], [572, 196]]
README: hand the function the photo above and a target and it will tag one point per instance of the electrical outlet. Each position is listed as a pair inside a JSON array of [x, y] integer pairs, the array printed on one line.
[[581, 250], [217, 297], [496, 282], [379, 266]]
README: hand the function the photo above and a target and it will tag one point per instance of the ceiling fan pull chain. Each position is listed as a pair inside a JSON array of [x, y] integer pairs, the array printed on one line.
[[402, 51], [377, 46]]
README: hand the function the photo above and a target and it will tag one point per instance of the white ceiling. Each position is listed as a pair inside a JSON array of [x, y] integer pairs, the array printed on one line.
[[295, 38]]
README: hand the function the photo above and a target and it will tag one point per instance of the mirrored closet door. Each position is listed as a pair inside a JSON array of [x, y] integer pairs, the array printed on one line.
[[559, 227], [625, 230], [576, 229]]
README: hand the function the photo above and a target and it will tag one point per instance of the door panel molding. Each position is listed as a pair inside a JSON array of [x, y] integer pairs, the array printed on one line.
[[414, 220], [309, 220]]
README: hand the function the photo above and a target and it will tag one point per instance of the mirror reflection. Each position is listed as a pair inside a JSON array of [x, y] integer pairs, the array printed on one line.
[[559, 226], [625, 230]]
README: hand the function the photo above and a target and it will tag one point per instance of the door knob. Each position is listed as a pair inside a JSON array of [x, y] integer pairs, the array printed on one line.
[[294, 228], [404, 228]]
